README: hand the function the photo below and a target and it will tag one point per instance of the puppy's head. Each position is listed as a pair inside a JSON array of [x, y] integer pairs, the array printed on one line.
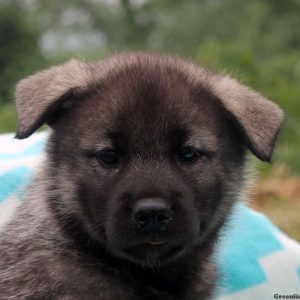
[[147, 152]]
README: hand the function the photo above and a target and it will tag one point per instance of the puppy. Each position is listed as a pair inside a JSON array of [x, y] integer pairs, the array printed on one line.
[[144, 162]]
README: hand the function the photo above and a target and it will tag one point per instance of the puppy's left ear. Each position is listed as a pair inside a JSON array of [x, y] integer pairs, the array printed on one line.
[[39, 96], [258, 119]]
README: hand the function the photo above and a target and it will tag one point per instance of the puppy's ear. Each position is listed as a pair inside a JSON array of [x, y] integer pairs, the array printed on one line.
[[258, 119], [39, 96]]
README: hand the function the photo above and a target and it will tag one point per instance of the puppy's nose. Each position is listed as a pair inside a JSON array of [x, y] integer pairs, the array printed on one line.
[[152, 214]]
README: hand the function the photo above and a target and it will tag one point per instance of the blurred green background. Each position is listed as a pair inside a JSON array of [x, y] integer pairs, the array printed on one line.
[[256, 41]]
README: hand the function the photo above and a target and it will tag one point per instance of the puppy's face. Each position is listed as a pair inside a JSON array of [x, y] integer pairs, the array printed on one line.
[[150, 164], [148, 160]]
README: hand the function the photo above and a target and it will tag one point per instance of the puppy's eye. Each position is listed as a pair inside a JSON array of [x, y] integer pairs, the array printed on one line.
[[189, 154], [108, 158]]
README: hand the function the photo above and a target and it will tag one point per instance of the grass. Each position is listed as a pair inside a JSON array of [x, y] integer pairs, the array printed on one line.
[[285, 214], [7, 118], [278, 197]]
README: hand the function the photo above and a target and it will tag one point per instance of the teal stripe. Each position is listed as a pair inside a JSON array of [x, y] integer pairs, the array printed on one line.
[[11, 181], [250, 237], [298, 272]]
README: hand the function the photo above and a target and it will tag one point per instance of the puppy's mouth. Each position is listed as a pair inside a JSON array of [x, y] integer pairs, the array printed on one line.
[[155, 243]]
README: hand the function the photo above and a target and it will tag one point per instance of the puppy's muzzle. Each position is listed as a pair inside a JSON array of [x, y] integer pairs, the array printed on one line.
[[152, 215]]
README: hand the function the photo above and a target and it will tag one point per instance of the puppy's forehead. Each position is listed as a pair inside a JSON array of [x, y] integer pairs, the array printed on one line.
[[144, 103]]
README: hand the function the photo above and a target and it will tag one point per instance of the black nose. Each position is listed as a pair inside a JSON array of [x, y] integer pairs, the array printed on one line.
[[152, 214]]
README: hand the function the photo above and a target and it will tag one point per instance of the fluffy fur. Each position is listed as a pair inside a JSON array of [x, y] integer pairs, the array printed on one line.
[[74, 236]]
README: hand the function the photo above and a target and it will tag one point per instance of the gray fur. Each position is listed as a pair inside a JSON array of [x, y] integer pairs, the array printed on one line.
[[69, 238]]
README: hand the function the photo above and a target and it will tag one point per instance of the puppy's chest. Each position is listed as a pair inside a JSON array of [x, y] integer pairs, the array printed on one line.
[[86, 282]]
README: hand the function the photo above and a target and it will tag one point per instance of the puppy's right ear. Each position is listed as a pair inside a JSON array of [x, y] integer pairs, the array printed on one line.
[[40, 95]]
